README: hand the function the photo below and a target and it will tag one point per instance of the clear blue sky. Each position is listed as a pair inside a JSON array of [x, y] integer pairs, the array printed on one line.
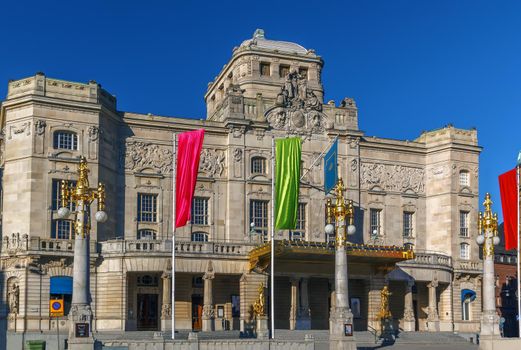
[[410, 65]]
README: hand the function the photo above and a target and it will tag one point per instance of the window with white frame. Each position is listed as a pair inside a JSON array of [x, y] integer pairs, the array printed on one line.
[[147, 207], [408, 223], [56, 194], [464, 223], [464, 252], [62, 229], [65, 140], [465, 308], [464, 178], [146, 234], [259, 217], [200, 211], [199, 237], [299, 233], [258, 165], [375, 221]]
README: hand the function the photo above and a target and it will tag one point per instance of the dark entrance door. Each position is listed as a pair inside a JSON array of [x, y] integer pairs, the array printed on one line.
[[197, 312], [147, 312], [415, 310]]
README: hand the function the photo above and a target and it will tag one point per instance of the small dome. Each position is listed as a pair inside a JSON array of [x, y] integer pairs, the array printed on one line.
[[259, 41]]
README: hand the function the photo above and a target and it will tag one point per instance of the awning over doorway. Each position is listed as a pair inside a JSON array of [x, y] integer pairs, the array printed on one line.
[[325, 252], [61, 285], [468, 293]]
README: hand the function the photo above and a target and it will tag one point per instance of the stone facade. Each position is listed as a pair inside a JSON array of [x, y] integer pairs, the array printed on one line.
[[268, 89]]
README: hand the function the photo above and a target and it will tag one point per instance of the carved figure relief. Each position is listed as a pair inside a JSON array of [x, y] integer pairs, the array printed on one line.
[[19, 129], [16, 242], [93, 133], [297, 108], [237, 154], [39, 127], [140, 155], [397, 178], [13, 296], [212, 162]]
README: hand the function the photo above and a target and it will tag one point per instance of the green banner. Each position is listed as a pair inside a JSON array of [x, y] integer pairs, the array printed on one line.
[[287, 178]]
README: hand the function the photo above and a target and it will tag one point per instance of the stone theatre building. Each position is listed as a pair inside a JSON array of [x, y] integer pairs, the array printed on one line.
[[416, 207]]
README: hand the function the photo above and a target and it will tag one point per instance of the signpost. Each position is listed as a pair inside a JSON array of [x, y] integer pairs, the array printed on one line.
[[56, 311]]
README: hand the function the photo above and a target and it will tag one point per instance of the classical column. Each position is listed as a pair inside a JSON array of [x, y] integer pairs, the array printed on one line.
[[408, 312], [304, 313], [208, 309], [294, 303], [433, 320], [166, 306]]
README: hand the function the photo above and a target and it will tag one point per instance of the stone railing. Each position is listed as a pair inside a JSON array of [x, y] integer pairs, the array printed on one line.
[[182, 247], [468, 265], [425, 257], [43, 245]]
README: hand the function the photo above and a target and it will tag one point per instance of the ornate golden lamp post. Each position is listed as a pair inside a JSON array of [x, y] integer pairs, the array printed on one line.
[[487, 236], [341, 318], [80, 315]]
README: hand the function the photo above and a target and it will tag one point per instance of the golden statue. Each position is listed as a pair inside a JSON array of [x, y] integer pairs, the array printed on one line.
[[384, 307], [258, 305]]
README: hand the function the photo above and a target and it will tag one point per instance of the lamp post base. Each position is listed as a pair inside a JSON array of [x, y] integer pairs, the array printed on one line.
[[262, 327], [81, 343], [341, 335]]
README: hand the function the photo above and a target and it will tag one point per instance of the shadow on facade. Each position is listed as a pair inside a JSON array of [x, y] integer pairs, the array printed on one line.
[[508, 308]]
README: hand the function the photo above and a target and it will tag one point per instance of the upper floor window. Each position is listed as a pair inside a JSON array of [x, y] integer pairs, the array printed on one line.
[[56, 194], [259, 216], [303, 72], [199, 237], [265, 69], [299, 233], [464, 178], [146, 234], [62, 229], [283, 70], [408, 223], [464, 252], [258, 165], [464, 223], [200, 211], [65, 140], [375, 221], [147, 207]]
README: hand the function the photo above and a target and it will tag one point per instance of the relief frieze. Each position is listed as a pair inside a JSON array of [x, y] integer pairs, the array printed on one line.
[[141, 155], [394, 178]]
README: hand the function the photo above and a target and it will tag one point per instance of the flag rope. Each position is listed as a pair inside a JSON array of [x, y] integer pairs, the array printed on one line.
[[174, 175], [272, 272]]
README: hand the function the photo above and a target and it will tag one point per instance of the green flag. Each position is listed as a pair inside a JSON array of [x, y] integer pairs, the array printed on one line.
[[287, 178]]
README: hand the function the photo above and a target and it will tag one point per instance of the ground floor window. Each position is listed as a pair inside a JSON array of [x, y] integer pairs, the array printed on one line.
[[467, 297]]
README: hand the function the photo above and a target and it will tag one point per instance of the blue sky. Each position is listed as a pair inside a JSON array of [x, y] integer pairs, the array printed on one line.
[[410, 65]]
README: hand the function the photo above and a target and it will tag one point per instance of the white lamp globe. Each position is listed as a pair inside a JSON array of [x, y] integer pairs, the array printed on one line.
[[63, 212], [101, 216], [329, 229], [495, 240], [480, 239], [375, 232], [252, 225], [351, 230]]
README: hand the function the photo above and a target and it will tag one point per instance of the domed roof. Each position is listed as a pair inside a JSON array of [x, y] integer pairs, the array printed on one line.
[[259, 41]]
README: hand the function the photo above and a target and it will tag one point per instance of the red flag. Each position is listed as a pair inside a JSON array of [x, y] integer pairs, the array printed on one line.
[[188, 154], [509, 192]]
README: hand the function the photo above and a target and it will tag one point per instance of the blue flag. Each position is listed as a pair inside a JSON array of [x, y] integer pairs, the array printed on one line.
[[330, 167]]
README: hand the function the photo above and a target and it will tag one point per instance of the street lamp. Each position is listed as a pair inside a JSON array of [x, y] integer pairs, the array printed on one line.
[[80, 315], [488, 238], [341, 318]]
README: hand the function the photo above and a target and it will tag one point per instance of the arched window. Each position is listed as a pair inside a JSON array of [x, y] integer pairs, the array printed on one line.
[[199, 237], [258, 165], [146, 234], [467, 297], [65, 140], [464, 251], [464, 178]]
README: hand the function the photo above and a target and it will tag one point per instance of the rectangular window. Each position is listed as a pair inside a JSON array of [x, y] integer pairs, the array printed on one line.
[[283, 70], [464, 178], [265, 69], [259, 217], [56, 194], [65, 140], [258, 165], [62, 229], [303, 72], [464, 251], [465, 312], [408, 224], [299, 233], [147, 207], [200, 211], [464, 223], [375, 222]]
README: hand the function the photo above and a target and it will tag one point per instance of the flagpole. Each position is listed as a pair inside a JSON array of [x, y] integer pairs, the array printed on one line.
[[518, 255], [272, 274], [174, 176]]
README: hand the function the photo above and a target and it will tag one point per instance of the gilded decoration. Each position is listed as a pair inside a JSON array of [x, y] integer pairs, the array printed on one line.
[[259, 304], [395, 178], [141, 155], [297, 108]]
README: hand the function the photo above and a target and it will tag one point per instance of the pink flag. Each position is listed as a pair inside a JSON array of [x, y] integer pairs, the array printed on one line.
[[188, 154]]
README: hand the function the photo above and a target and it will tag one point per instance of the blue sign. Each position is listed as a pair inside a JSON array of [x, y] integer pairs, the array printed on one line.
[[330, 167]]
